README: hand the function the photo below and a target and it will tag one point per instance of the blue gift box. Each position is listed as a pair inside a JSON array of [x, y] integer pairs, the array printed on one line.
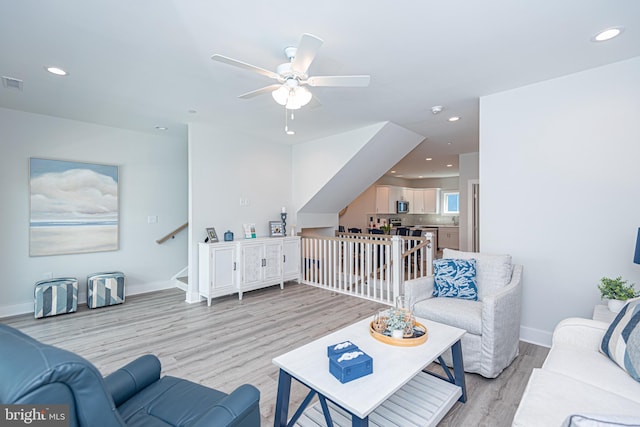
[[341, 348], [350, 365]]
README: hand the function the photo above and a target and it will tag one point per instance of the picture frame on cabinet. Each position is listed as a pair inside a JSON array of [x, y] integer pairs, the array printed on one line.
[[276, 229], [249, 231], [212, 237]]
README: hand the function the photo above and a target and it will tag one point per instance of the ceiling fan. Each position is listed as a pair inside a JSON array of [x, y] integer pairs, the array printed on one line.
[[292, 76]]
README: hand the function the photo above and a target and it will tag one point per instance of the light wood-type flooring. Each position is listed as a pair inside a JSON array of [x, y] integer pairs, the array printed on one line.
[[233, 342]]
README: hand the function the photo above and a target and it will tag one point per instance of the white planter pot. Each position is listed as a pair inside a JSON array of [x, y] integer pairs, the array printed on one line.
[[615, 305], [397, 333]]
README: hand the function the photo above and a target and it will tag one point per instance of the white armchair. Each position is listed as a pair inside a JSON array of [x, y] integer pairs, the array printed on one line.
[[492, 322]]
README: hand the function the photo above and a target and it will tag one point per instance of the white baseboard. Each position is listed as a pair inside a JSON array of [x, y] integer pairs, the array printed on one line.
[[143, 288], [535, 336], [193, 298], [16, 309]]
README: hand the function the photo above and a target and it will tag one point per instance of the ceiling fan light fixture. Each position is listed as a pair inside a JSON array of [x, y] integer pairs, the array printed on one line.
[[303, 95], [293, 98], [281, 95]]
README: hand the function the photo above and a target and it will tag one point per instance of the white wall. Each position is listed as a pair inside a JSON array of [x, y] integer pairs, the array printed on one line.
[[224, 167], [152, 181], [559, 187], [469, 171]]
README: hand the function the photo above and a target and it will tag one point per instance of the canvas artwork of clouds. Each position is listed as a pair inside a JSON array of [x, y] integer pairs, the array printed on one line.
[[74, 207]]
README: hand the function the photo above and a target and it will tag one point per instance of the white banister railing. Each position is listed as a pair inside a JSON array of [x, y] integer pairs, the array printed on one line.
[[370, 266]]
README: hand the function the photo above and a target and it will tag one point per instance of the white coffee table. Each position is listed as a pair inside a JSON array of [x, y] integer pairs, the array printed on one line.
[[398, 391]]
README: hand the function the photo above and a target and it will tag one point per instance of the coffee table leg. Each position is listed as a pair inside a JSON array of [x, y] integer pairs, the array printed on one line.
[[359, 422], [282, 400], [458, 370]]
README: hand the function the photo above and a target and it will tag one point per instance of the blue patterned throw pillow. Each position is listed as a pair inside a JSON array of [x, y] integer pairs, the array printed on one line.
[[455, 278], [621, 342]]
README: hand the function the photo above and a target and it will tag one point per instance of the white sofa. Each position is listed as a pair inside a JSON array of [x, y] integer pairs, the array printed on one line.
[[492, 322], [576, 378]]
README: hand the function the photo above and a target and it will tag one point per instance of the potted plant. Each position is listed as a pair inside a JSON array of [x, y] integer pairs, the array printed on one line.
[[617, 291], [397, 322], [386, 228]]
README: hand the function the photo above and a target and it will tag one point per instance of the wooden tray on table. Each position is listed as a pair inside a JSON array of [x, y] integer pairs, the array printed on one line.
[[420, 336]]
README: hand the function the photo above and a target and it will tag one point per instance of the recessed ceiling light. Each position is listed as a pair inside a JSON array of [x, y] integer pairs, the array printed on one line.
[[291, 132], [393, 171], [161, 127], [449, 165], [449, 143], [57, 71], [428, 159], [607, 34], [454, 119], [420, 176]]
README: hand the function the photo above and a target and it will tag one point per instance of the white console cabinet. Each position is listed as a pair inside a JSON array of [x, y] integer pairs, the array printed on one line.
[[245, 265]]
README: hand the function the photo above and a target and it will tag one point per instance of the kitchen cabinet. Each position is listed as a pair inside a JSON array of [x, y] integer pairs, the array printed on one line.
[[431, 200], [406, 194], [421, 200], [217, 270], [448, 237], [245, 265], [386, 197], [425, 201]]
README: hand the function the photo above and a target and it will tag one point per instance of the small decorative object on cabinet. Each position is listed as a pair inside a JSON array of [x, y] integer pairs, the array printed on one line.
[[283, 216], [617, 292], [276, 229], [228, 236], [249, 231], [212, 237]]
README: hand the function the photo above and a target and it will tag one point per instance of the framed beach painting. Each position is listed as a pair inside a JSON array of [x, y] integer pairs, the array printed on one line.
[[73, 207]]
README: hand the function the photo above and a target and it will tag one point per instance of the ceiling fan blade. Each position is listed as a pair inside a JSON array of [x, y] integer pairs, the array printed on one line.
[[306, 52], [344, 81], [260, 91], [240, 64]]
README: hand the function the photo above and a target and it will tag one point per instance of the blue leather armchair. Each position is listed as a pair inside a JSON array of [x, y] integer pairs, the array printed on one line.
[[35, 373]]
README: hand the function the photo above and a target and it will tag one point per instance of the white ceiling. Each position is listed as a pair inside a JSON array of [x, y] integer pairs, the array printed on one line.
[[143, 63]]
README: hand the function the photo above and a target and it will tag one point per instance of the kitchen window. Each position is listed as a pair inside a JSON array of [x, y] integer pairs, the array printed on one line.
[[450, 202]]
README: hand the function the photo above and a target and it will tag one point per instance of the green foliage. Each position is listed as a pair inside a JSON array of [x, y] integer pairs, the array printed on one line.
[[616, 289], [398, 319], [386, 228]]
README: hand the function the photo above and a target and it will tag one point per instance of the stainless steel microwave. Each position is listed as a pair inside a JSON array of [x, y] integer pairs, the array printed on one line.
[[402, 206]]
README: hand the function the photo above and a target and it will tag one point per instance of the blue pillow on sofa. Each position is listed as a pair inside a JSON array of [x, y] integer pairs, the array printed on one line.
[[455, 278], [621, 342]]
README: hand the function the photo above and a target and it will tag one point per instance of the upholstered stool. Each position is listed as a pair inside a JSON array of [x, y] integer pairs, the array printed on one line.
[[105, 289], [55, 296]]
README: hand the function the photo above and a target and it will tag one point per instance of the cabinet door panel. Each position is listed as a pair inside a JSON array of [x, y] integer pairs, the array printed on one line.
[[431, 200], [251, 264], [273, 257], [291, 258], [382, 199], [223, 265]]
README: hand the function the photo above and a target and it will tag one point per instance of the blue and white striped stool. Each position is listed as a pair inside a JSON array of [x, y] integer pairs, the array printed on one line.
[[105, 289], [55, 296]]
